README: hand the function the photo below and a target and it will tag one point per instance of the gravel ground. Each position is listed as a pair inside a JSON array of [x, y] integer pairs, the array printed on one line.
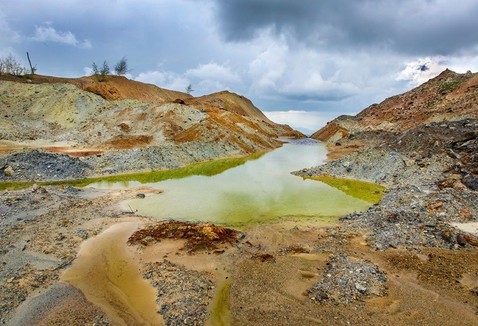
[[430, 173], [347, 279], [39, 165], [183, 295]]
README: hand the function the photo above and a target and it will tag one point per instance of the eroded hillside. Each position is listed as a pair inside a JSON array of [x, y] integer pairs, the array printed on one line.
[[448, 97], [116, 117]]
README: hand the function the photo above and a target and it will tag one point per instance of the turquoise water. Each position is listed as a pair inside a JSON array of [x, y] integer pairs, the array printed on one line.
[[259, 190]]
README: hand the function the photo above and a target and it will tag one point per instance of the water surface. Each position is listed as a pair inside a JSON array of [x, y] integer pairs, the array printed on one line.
[[257, 191], [107, 274]]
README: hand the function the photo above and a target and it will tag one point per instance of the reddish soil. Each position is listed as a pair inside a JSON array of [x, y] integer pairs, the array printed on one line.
[[198, 236]]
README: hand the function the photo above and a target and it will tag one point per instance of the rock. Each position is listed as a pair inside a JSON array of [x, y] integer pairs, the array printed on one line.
[[447, 235], [348, 279], [471, 181], [38, 189], [82, 234], [471, 239], [460, 239], [8, 171], [140, 195], [362, 289], [124, 127]]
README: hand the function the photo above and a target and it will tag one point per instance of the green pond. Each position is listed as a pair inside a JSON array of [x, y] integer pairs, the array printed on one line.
[[257, 190]]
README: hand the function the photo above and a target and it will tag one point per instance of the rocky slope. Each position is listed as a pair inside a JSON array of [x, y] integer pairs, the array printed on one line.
[[447, 97], [108, 121], [422, 145], [432, 179]]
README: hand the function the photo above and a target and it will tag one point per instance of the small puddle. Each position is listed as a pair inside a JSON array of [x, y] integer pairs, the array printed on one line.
[[107, 273]]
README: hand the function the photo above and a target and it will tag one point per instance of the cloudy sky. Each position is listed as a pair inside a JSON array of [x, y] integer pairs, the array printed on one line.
[[302, 61]]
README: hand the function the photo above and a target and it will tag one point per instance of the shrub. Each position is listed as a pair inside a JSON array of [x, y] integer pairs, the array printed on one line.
[[121, 68], [105, 70]]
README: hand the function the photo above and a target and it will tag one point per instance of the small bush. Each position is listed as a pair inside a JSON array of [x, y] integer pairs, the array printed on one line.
[[105, 70], [100, 73]]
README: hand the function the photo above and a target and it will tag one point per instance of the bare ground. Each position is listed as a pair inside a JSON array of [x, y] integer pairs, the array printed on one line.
[[271, 270]]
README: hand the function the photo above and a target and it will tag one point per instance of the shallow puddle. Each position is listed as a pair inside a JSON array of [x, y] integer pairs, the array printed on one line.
[[107, 273]]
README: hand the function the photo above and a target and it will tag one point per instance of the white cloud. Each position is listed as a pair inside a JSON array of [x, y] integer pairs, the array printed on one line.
[[463, 64], [47, 33], [269, 66], [164, 79], [87, 71], [213, 72], [282, 72], [422, 69], [305, 121]]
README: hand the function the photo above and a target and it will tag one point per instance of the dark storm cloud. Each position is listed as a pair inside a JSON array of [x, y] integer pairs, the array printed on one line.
[[418, 27]]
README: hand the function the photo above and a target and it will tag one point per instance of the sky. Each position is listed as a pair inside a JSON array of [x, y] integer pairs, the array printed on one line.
[[302, 62]]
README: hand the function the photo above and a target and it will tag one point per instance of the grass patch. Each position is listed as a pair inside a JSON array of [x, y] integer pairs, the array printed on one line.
[[16, 185], [449, 86], [367, 191], [208, 168]]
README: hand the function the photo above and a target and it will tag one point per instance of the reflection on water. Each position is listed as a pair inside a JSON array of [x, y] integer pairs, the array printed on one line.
[[256, 191]]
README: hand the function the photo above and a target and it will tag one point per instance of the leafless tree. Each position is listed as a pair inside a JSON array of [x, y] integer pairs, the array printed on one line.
[[9, 65]]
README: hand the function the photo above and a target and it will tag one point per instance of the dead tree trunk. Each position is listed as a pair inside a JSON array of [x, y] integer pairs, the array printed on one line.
[[33, 69]]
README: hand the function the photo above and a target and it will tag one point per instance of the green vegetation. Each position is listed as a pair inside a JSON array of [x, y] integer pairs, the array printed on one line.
[[449, 86], [121, 68], [208, 168], [367, 191], [15, 185]]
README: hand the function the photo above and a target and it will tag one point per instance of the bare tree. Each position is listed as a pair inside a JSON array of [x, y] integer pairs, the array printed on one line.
[[121, 68], [11, 66], [189, 89]]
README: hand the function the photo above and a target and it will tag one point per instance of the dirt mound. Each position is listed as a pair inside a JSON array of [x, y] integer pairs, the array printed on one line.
[[108, 87], [197, 236], [92, 117], [432, 180], [231, 102]]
